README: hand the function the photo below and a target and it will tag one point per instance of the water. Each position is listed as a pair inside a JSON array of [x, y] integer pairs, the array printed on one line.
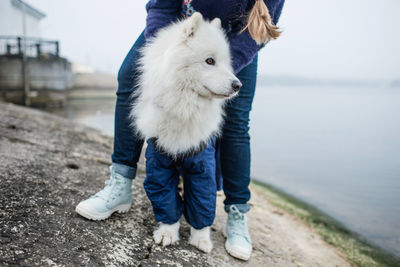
[[93, 112], [337, 148]]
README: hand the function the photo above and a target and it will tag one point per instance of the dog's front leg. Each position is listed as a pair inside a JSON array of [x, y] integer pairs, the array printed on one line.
[[167, 234], [201, 239]]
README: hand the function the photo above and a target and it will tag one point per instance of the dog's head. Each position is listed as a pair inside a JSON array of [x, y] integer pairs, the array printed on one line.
[[204, 53]]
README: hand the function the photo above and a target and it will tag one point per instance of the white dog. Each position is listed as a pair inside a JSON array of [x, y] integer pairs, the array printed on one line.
[[186, 77]]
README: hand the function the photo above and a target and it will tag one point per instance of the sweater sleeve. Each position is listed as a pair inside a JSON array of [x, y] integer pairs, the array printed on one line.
[[243, 47], [161, 13]]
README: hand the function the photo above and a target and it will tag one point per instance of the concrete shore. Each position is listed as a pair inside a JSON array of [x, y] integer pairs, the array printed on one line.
[[50, 164]]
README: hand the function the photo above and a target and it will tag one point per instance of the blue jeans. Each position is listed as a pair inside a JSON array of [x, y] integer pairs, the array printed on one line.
[[199, 182], [233, 146]]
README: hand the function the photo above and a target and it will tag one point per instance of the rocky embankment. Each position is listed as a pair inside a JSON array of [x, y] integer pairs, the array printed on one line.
[[49, 164]]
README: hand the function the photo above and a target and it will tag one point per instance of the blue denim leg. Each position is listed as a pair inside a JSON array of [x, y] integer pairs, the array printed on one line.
[[200, 188], [161, 186], [127, 146], [235, 142]]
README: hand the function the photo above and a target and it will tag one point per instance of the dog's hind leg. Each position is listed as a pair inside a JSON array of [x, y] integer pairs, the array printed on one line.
[[166, 234], [201, 239]]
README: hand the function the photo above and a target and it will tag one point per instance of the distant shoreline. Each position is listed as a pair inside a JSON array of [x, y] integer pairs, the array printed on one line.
[[284, 80], [357, 249]]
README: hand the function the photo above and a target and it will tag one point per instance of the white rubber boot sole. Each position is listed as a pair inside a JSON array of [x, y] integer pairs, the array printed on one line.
[[237, 252], [92, 214]]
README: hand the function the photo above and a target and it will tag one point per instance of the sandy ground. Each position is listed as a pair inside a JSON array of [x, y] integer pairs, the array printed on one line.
[[279, 239]]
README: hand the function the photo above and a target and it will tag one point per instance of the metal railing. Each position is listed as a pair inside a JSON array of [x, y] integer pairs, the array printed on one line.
[[14, 45]]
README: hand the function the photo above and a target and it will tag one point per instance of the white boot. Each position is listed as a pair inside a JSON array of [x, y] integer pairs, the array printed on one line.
[[115, 196]]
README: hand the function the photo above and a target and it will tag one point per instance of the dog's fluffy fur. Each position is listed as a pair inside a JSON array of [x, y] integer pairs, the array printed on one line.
[[181, 95]]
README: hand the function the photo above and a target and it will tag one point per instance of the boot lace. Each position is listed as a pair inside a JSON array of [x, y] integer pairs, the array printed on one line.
[[238, 223], [113, 186]]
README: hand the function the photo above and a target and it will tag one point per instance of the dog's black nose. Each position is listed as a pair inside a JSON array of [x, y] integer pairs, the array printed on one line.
[[236, 85]]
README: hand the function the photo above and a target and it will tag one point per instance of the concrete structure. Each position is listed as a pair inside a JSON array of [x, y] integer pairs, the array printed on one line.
[[31, 70], [49, 77]]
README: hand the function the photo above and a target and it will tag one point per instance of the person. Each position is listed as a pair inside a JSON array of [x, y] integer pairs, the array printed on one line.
[[249, 25]]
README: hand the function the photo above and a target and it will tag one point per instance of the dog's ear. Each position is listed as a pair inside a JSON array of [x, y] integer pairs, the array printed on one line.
[[217, 23], [192, 24]]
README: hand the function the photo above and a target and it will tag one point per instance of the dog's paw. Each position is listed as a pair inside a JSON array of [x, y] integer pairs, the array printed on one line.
[[166, 234], [201, 239]]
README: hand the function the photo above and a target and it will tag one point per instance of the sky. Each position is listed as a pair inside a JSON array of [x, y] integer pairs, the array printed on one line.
[[341, 39]]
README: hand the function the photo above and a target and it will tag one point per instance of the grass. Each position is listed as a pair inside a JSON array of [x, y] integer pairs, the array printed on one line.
[[357, 250]]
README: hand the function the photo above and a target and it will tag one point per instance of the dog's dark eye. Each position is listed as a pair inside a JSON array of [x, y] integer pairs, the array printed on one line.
[[210, 61]]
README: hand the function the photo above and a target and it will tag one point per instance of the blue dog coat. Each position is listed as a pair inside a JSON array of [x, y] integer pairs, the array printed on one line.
[[200, 185]]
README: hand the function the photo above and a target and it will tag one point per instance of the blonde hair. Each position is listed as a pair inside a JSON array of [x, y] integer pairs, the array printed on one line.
[[260, 25]]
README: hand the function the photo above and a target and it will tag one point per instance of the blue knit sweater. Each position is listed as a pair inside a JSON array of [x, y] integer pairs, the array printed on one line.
[[231, 12]]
